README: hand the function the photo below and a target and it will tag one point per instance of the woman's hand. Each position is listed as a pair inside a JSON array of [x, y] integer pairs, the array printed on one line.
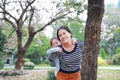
[[74, 41], [60, 50]]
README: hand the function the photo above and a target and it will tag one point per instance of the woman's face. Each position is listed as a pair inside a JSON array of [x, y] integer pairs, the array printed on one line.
[[55, 43], [64, 35]]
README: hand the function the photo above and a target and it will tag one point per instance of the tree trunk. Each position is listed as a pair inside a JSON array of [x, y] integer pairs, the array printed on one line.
[[22, 50], [20, 61], [92, 39]]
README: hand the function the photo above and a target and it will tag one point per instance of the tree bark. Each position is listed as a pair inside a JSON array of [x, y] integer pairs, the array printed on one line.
[[22, 50], [92, 39]]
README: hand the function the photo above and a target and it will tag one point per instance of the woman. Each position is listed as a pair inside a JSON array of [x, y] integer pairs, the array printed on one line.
[[70, 57]]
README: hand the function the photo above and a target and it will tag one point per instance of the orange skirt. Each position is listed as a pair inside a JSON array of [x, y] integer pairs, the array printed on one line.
[[69, 76]]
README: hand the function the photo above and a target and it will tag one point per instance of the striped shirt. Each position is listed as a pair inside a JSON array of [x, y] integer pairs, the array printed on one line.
[[71, 61]]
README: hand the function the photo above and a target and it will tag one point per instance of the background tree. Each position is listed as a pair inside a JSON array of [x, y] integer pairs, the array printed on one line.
[[111, 38], [24, 13], [74, 21], [2, 46], [76, 26], [92, 39], [37, 50]]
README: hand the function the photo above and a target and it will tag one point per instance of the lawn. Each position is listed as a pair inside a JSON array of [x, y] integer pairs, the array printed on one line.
[[108, 74], [40, 73]]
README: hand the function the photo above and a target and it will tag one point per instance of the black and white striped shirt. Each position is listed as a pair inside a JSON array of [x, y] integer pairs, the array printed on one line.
[[71, 61]]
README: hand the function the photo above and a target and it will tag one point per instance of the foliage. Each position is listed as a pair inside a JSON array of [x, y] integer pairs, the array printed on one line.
[[37, 51], [116, 59], [2, 45], [73, 21], [2, 40], [101, 62], [110, 19], [1, 64], [75, 25], [28, 66], [113, 43], [77, 28], [75, 4], [118, 50], [27, 13], [51, 75], [26, 60], [112, 30], [103, 53]]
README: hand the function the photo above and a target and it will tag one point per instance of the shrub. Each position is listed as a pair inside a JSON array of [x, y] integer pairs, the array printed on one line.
[[51, 75], [1, 65], [26, 60], [35, 61], [103, 53], [28, 66], [101, 61], [109, 62], [116, 59], [118, 50]]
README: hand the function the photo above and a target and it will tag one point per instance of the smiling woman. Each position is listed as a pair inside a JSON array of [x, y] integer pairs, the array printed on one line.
[[71, 55]]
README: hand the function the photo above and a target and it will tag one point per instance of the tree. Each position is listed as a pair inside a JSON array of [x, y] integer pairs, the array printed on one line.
[[21, 13], [75, 25], [103, 53], [2, 44], [37, 50], [92, 39]]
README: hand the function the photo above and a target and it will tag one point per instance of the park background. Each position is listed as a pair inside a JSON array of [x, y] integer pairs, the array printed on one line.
[[109, 54]]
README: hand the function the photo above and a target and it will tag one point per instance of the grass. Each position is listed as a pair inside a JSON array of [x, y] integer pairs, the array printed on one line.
[[40, 75], [108, 75], [103, 74]]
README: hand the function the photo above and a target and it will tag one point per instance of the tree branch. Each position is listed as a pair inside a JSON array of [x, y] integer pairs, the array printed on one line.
[[11, 33], [24, 10], [31, 16], [6, 12], [10, 23], [53, 20]]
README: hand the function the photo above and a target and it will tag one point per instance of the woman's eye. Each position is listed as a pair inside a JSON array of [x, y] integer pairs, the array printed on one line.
[[64, 33], [60, 35]]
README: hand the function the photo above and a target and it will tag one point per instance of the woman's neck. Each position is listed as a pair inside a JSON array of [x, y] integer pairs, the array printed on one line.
[[67, 44]]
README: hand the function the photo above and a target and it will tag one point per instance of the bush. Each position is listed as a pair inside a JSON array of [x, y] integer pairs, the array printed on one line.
[[26, 60], [1, 65], [28, 66], [116, 59], [103, 53], [101, 61], [36, 61], [51, 75], [118, 50], [109, 62]]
